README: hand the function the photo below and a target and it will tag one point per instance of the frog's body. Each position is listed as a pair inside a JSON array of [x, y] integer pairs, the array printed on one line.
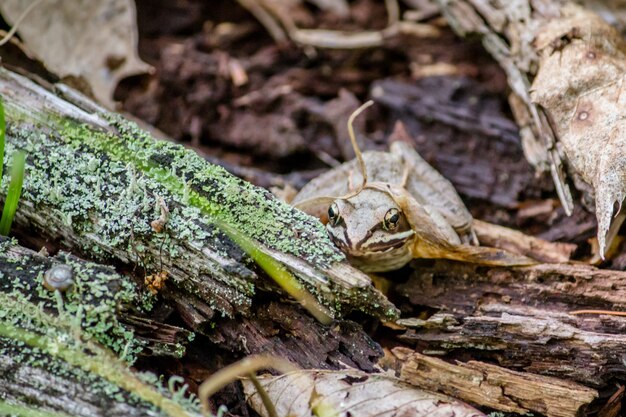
[[404, 210]]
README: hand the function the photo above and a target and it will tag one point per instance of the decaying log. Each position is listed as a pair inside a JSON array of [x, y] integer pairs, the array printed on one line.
[[288, 332], [44, 337], [520, 317], [100, 185], [492, 386], [103, 189], [50, 386]]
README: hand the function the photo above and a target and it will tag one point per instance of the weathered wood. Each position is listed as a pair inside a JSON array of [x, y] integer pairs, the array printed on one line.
[[42, 388], [492, 386], [94, 182], [288, 332], [519, 317]]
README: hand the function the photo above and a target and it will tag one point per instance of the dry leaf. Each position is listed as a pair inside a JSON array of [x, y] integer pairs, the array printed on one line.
[[92, 40], [350, 392], [580, 84]]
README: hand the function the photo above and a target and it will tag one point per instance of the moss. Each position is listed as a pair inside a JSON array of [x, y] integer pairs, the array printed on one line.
[[251, 210], [7, 409], [107, 186]]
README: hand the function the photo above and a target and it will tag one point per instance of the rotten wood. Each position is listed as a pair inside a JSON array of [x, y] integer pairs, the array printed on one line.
[[492, 386], [30, 389], [288, 332], [520, 317], [107, 303], [69, 352]]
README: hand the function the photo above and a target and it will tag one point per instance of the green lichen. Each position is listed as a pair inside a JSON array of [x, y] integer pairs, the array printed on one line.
[[7, 409], [106, 186], [30, 336], [92, 303], [251, 210]]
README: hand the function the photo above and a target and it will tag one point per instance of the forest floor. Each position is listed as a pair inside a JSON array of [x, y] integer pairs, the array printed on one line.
[[276, 115]]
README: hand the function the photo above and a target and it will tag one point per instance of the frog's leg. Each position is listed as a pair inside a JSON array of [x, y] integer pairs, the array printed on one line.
[[432, 235], [430, 188]]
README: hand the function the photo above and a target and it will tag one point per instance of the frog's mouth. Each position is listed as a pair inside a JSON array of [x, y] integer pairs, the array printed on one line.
[[371, 244], [386, 243]]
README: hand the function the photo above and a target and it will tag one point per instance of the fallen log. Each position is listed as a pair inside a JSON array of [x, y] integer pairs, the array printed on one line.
[[101, 188], [105, 189], [492, 386], [108, 306]]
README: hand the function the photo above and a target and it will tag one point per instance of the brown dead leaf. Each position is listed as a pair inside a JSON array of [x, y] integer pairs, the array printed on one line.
[[350, 392], [580, 83], [95, 41]]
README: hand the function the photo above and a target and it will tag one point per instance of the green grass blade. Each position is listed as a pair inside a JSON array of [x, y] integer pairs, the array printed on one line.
[[2, 129], [14, 192]]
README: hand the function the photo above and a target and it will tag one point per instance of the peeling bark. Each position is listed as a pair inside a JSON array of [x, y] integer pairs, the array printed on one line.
[[520, 317], [493, 386]]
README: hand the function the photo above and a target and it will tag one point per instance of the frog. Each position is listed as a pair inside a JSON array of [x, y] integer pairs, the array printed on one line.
[[384, 209]]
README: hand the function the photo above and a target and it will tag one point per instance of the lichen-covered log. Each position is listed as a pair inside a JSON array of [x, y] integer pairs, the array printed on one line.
[[522, 317], [108, 190], [565, 66], [106, 305], [50, 367]]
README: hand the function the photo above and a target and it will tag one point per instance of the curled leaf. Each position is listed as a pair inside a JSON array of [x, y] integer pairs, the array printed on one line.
[[351, 392], [580, 84]]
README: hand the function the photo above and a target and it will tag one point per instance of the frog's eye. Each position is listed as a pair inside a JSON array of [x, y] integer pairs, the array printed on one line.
[[391, 219], [333, 214]]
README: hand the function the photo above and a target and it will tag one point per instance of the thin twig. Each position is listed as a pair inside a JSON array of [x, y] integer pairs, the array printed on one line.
[[245, 366], [355, 145]]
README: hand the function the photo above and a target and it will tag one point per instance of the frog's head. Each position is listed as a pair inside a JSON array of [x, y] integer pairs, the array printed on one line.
[[371, 229]]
